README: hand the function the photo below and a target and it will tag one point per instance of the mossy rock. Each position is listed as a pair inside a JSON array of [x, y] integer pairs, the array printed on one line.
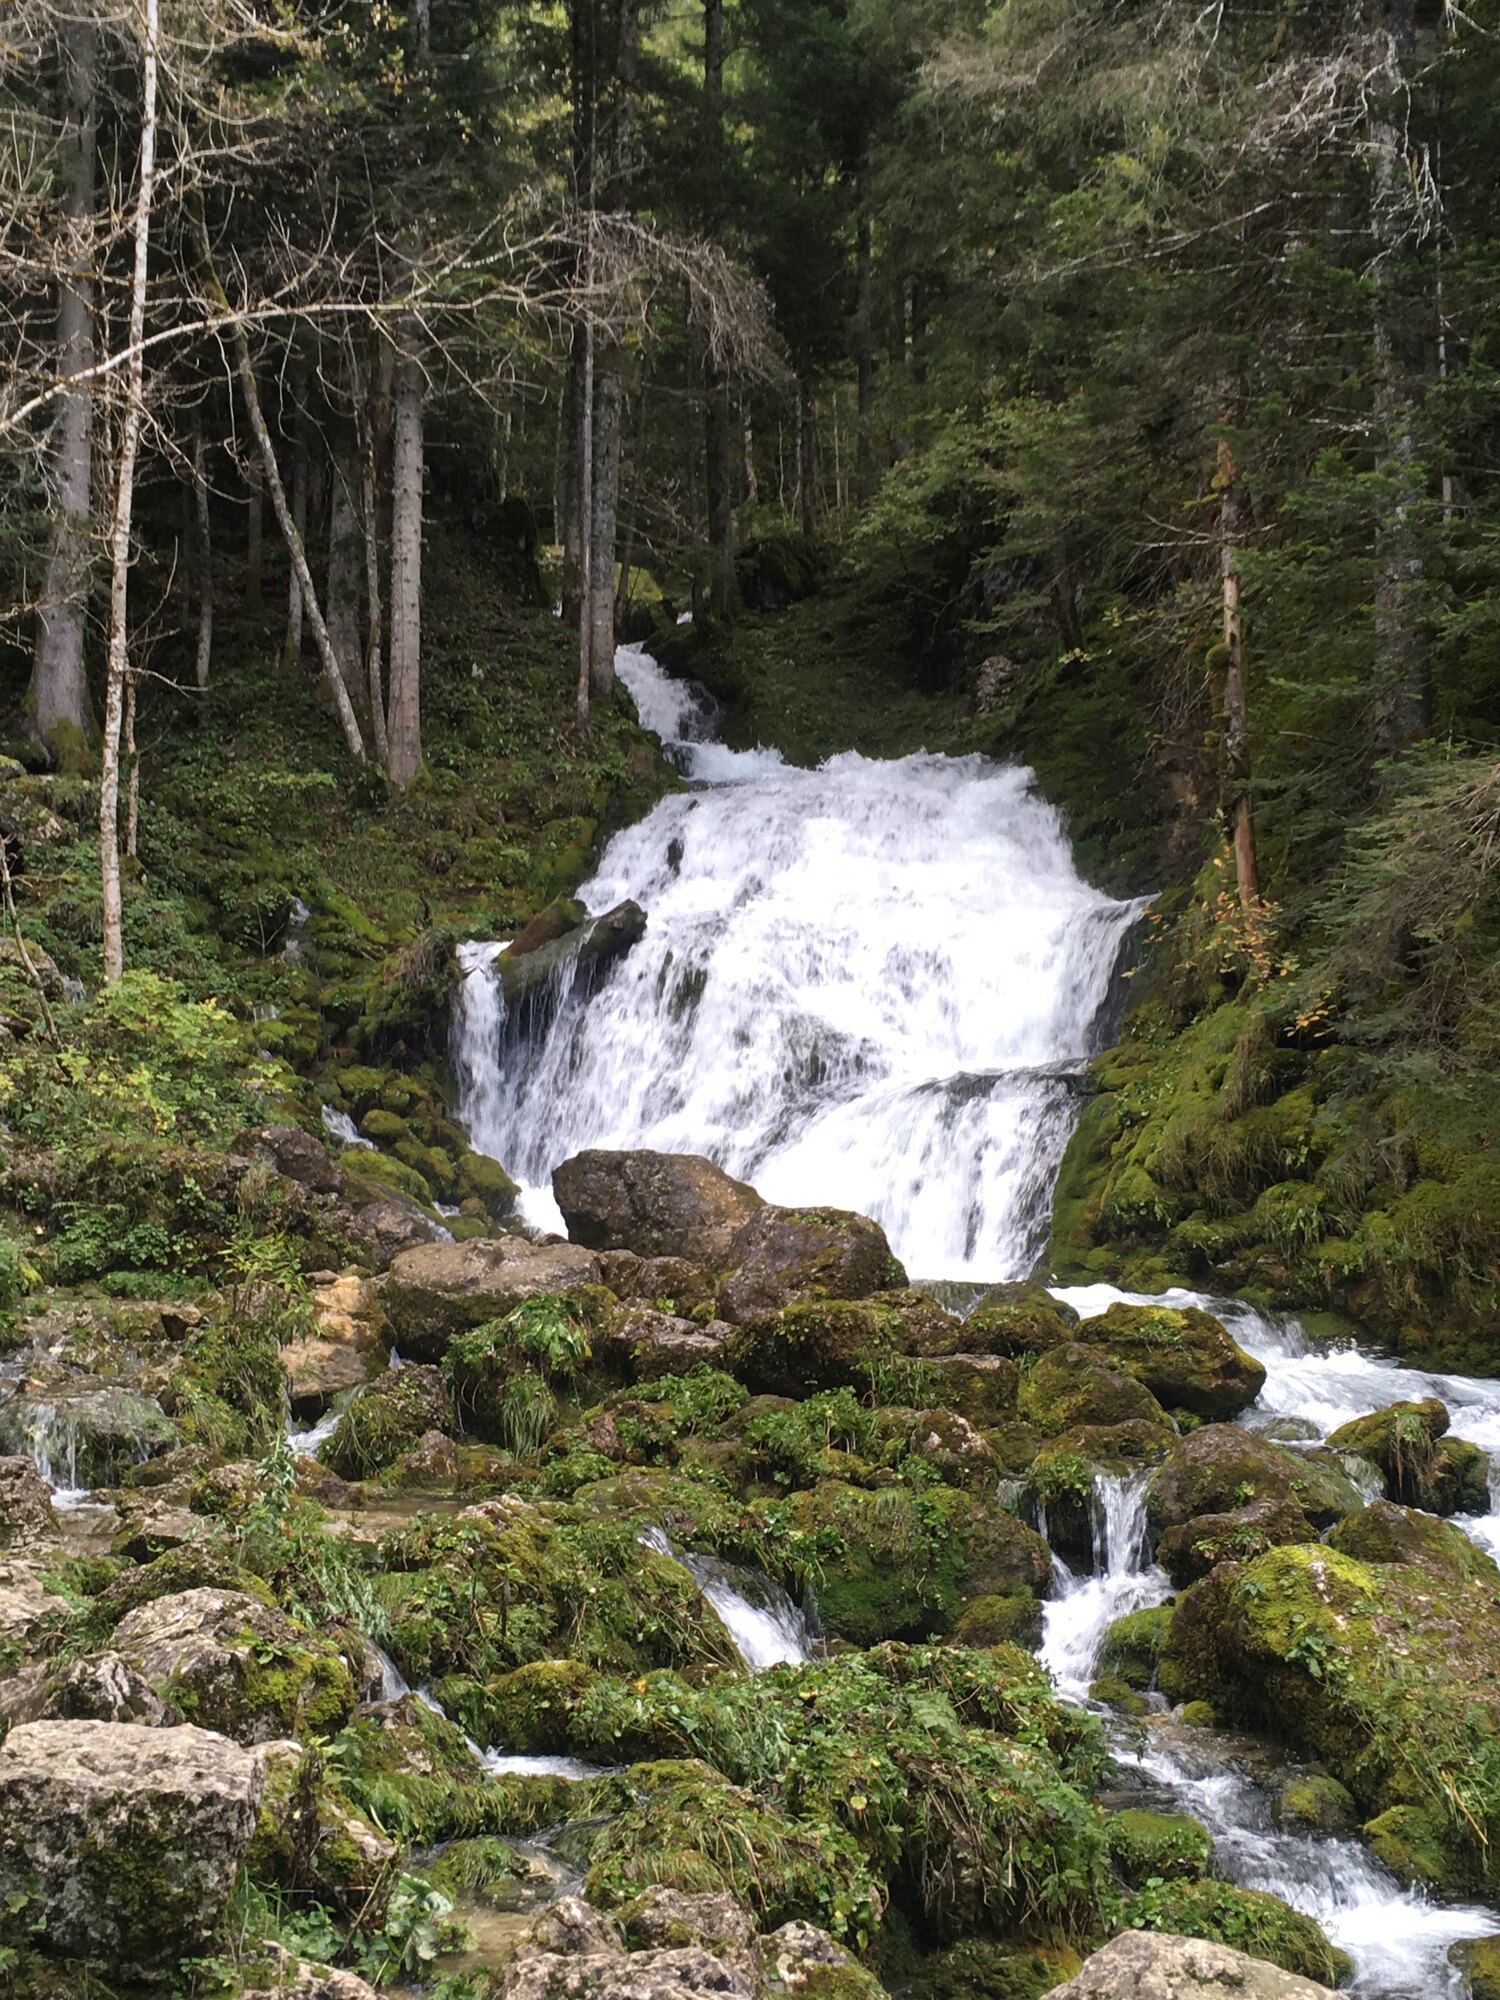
[[1019, 1320], [309, 1839], [1310, 1802], [690, 1510], [1478, 1959], [410, 1771], [479, 1178], [1385, 1533], [981, 1387], [387, 1418], [529, 1711], [1170, 1846], [985, 1969], [1221, 1467], [1420, 1465], [475, 1868], [1132, 1646], [1381, 1673], [1193, 1548], [1183, 1355], [1075, 1384], [208, 1564], [899, 1564], [1247, 1920], [874, 1344], [386, 1128]]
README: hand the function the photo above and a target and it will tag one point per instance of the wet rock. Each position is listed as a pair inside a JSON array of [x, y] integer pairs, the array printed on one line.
[[1183, 1355], [153, 1524], [234, 1664], [1192, 1549], [349, 1346], [670, 1284], [657, 1205], [310, 1839], [647, 1344], [871, 1344], [25, 1601], [26, 1515], [437, 1291], [379, 1231], [1020, 1319], [1149, 1965], [1170, 1847], [430, 1463], [98, 1688], [571, 1928], [1420, 1464], [1221, 1467], [296, 1980], [575, 954], [1311, 1803], [1075, 1384], [123, 1840], [89, 1437], [1385, 1533], [302, 1158], [781, 1254], [800, 1958], [387, 1418], [1478, 1959]]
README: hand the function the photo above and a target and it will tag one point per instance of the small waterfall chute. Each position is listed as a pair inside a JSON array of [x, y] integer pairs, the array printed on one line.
[[767, 1626], [1076, 1618]]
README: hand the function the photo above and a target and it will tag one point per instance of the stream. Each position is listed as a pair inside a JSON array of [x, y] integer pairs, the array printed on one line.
[[877, 985]]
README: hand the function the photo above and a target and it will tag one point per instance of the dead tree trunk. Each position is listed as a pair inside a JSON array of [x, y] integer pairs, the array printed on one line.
[[59, 712], [404, 717], [204, 552], [1236, 717], [345, 562], [609, 399]]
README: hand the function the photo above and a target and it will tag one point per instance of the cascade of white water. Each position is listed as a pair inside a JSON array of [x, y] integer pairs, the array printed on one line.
[[1076, 1618], [767, 1627], [871, 985]]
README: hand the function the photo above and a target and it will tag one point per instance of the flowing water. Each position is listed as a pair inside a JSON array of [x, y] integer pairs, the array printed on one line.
[[875, 985], [768, 1628]]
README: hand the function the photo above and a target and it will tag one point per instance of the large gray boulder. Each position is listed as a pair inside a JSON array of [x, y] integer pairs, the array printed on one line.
[[442, 1289], [781, 1254], [1152, 1965], [656, 1204], [539, 966], [122, 1841]]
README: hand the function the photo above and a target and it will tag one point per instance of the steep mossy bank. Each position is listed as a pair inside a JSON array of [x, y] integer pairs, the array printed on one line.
[[1247, 1138]]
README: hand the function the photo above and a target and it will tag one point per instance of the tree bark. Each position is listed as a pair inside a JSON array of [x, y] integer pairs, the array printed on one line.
[[609, 397], [1236, 716], [807, 455], [586, 529], [717, 415], [345, 557], [203, 652], [58, 702], [864, 357], [255, 557], [374, 635], [118, 663], [292, 650], [404, 719], [570, 481]]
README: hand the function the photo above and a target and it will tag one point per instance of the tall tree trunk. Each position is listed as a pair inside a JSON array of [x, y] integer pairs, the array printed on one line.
[[404, 719], [60, 714], [609, 398], [751, 499], [570, 482], [632, 513], [807, 454], [585, 528], [345, 561], [117, 668], [370, 526], [864, 356], [255, 540], [1236, 717], [204, 564], [717, 415], [1402, 692], [292, 649]]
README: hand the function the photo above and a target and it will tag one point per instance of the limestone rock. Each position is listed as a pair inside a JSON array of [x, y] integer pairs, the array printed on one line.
[[350, 1345], [1190, 1550], [677, 1974], [389, 1417], [649, 1343], [781, 1254], [234, 1664], [655, 1204], [442, 1289], [295, 1980], [570, 1928], [153, 1523], [90, 1436], [1075, 1384], [25, 1600], [1150, 1965], [124, 1840], [661, 1918], [101, 1687], [26, 1515], [380, 1230], [791, 1957], [1221, 1467]]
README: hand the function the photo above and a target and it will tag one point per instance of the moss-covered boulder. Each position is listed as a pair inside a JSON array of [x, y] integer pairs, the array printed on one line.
[[1075, 1384], [1172, 1847], [529, 1711], [983, 1969], [309, 1838], [224, 1660], [1183, 1355], [780, 1254], [1220, 1468], [1385, 1533], [440, 1289], [1019, 1319], [481, 1179], [901, 1564], [1132, 1646], [119, 1844], [981, 1387], [812, 1344], [1478, 1959], [1310, 1802], [1420, 1464], [410, 1771], [1191, 1549], [385, 1419], [1382, 1673]]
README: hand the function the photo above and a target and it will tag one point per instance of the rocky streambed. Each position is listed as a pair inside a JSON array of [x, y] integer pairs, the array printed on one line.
[[720, 1558]]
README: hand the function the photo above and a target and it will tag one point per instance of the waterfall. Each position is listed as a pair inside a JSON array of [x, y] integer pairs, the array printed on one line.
[[1076, 1619], [767, 1627], [873, 985]]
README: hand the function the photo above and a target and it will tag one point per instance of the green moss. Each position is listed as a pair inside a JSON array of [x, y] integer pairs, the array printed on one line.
[[1168, 1847], [385, 1419], [1313, 1803], [1132, 1646], [530, 1711], [1247, 1920], [1075, 1384]]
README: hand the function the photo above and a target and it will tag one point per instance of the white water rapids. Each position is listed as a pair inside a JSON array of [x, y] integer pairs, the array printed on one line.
[[871, 985]]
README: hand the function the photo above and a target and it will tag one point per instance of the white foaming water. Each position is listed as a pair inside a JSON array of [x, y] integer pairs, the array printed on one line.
[[871, 985], [1397, 1938], [767, 1628], [1075, 1621], [305, 1439], [500, 1763], [339, 1125]]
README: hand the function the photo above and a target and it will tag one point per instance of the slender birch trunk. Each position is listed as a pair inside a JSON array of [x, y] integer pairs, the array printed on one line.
[[404, 718], [118, 665], [203, 653], [1236, 714]]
